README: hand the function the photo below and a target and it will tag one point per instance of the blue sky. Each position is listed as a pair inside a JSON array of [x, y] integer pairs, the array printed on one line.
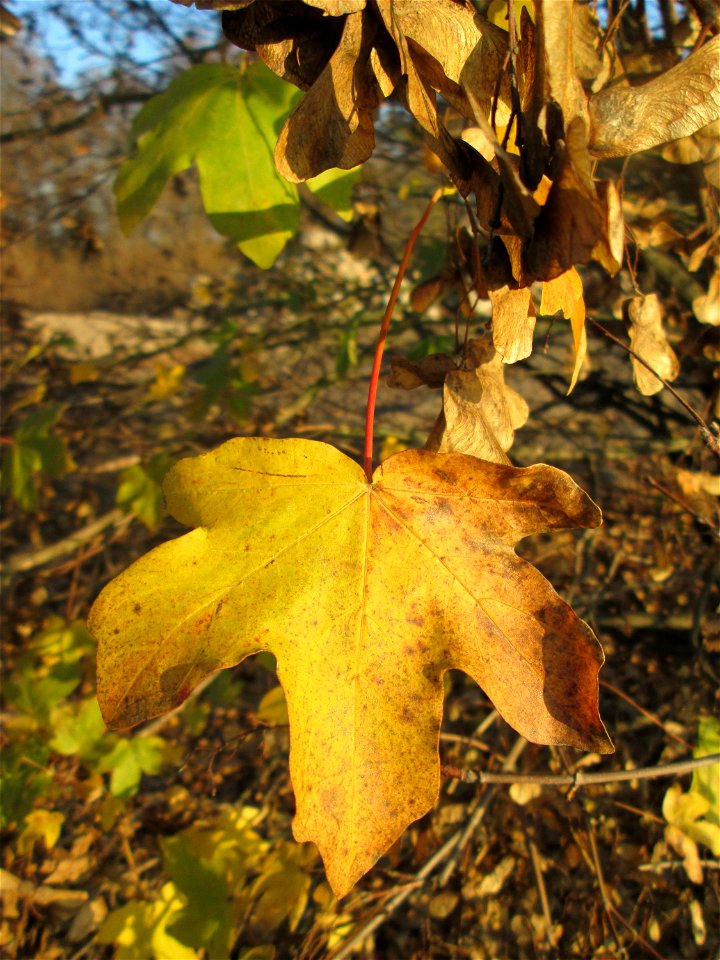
[[75, 64]]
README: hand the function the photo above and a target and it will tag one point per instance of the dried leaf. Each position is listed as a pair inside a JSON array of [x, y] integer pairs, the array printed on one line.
[[565, 294], [427, 292], [648, 340], [626, 119], [415, 89], [480, 413], [430, 371], [367, 593], [571, 222], [593, 59], [215, 4], [333, 124], [699, 254], [336, 8], [524, 793], [577, 321], [707, 307], [610, 248], [561, 294], [697, 482], [557, 31], [492, 883], [513, 322]]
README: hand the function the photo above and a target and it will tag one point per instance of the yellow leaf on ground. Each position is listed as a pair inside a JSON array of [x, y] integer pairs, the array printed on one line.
[[42, 825], [84, 372], [168, 381], [366, 593]]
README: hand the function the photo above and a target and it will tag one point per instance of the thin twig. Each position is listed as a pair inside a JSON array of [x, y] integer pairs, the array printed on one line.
[[682, 503], [646, 713], [612, 913], [29, 559], [582, 779], [676, 864], [709, 438], [542, 891]]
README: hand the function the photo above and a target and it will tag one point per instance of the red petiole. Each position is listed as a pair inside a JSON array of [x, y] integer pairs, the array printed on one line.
[[384, 327]]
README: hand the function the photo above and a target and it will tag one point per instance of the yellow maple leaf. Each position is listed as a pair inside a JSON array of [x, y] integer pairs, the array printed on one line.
[[367, 593]]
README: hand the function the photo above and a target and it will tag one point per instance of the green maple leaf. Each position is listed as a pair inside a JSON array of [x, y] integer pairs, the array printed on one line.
[[225, 121]]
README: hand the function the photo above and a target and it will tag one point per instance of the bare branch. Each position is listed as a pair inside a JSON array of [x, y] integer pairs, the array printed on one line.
[[582, 779]]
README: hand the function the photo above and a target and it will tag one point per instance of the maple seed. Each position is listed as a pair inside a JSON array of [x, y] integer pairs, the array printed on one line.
[[365, 607]]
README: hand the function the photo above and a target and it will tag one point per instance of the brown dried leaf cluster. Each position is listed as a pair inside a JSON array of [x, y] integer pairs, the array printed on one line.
[[566, 96]]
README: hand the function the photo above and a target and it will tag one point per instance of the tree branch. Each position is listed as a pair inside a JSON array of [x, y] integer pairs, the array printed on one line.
[[104, 103], [582, 779]]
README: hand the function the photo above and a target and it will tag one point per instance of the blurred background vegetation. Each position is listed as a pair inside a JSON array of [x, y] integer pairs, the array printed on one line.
[[122, 354]]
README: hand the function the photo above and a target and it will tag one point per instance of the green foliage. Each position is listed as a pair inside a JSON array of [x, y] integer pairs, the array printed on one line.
[[62, 643], [229, 376], [139, 929], [129, 759], [23, 778], [706, 780], [226, 121], [39, 687], [220, 877], [693, 816], [34, 452], [79, 730], [51, 669], [45, 825], [347, 355], [139, 491]]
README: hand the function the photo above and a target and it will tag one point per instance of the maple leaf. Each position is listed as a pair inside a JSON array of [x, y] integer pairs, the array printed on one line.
[[366, 593]]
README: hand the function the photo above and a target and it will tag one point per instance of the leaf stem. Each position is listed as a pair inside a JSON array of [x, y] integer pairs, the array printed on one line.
[[385, 326]]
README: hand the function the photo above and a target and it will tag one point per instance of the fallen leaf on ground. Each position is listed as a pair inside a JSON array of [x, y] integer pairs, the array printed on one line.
[[648, 340], [480, 412], [366, 593]]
